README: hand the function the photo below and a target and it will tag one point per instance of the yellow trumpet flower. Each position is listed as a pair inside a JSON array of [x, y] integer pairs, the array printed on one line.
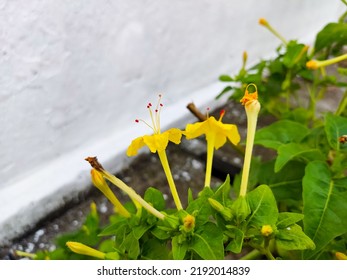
[[157, 143], [217, 134]]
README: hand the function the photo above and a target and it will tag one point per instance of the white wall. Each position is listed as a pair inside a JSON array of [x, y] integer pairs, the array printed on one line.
[[75, 74]]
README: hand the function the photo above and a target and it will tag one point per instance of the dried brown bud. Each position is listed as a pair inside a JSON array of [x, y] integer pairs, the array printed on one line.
[[93, 161]]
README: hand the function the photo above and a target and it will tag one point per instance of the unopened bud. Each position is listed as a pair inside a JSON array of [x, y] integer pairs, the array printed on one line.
[[188, 223], [225, 212], [312, 64], [240, 209], [82, 249], [263, 21], [266, 230], [341, 256]]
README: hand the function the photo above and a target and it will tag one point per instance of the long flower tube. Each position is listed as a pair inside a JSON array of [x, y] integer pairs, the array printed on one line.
[[157, 143], [124, 187], [264, 22], [252, 107], [315, 64]]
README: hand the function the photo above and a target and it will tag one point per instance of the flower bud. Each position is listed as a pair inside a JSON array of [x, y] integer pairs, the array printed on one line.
[[266, 230], [225, 212], [312, 64], [240, 209], [263, 21], [82, 249], [99, 182], [341, 256], [188, 223]]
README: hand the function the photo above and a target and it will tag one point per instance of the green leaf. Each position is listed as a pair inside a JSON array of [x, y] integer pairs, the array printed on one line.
[[286, 219], [115, 228], [335, 126], [263, 206], [222, 194], [140, 230], [156, 198], [225, 78], [131, 246], [154, 249], [280, 132], [225, 90], [291, 151], [160, 234], [325, 206], [293, 238], [179, 248], [332, 34], [200, 207], [208, 242], [236, 243], [293, 51], [285, 184]]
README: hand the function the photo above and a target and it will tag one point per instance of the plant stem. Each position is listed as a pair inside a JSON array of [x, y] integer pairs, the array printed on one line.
[[167, 170], [342, 105], [253, 255]]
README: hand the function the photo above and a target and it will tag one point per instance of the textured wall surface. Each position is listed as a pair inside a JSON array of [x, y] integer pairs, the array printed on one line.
[[75, 74]]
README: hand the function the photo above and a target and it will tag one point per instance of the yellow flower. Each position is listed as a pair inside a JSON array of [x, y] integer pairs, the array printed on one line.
[[216, 134], [157, 143], [82, 249]]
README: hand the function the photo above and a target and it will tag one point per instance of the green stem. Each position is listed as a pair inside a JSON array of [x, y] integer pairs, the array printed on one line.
[[167, 170], [342, 105], [253, 255], [267, 251]]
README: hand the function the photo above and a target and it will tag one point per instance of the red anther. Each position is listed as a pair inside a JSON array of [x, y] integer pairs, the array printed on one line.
[[137, 120], [208, 108], [161, 105], [222, 112], [156, 110]]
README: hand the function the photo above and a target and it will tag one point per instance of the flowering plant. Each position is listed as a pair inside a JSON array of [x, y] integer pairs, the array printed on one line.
[[292, 206]]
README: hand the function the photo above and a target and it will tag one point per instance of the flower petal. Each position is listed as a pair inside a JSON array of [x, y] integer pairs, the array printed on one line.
[[135, 145], [196, 129], [156, 142], [174, 135], [219, 141], [233, 135]]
